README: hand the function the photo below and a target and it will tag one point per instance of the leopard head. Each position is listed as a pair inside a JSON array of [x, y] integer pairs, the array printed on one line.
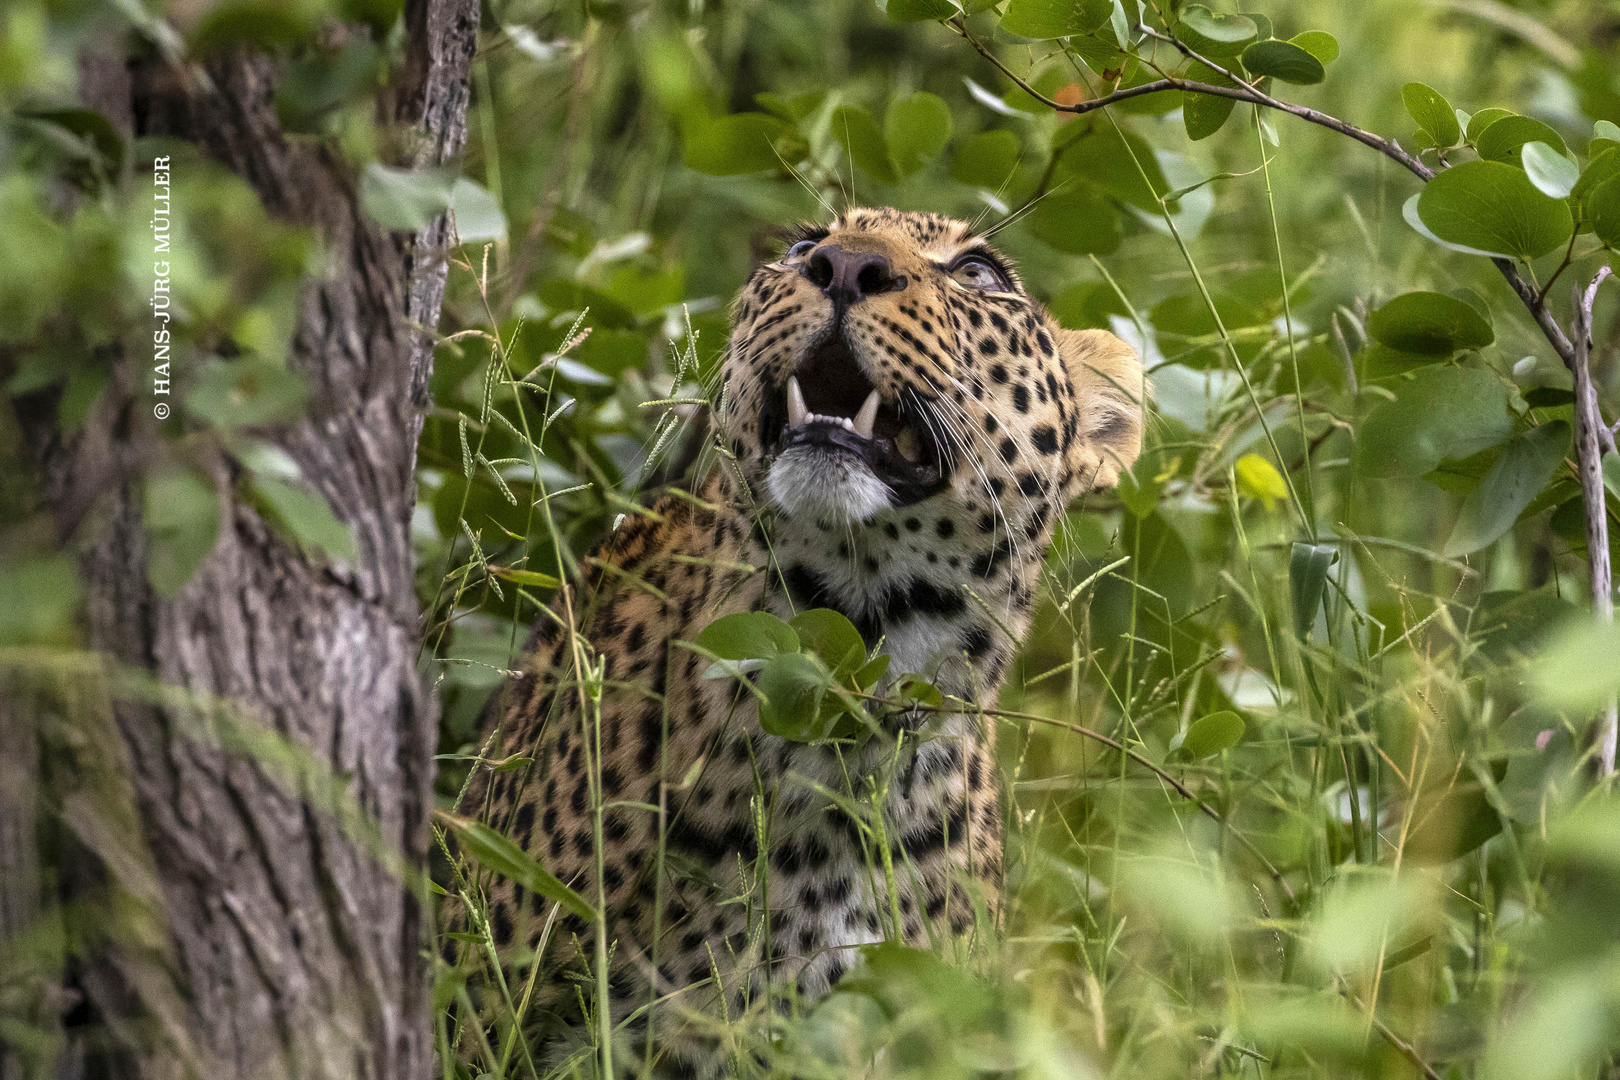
[[890, 384]]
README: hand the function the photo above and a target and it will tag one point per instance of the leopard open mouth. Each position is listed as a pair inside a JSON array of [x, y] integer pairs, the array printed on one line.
[[828, 403]]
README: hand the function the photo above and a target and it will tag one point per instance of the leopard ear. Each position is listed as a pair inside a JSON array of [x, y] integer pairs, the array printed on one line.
[[1106, 423]]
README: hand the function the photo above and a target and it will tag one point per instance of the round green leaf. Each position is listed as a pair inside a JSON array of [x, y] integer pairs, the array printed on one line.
[[917, 10], [1215, 33], [1553, 174], [916, 129], [863, 141], [1493, 207], [1603, 166], [731, 145], [1203, 114], [304, 517], [1042, 19], [1284, 61], [478, 213], [748, 635], [1213, 733], [1484, 119], [405, 199], [793, 686], [831, 636], [181, 515], [1441, 412], [1430, 324], [1078, 220], [1603, 210], [986, 160], [1517, 477], [1433, 113], [1501, 141], [1319, 43], [250, 391]]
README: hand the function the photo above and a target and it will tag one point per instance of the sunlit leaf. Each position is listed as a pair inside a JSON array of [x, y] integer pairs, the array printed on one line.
[[918, 10], [831, 636], [1259, 479], [1319, 43], [477, 212], [1502, 139], [1211, 734], [405, 199], [1553, 174], [1577, 671], [1214, 33]]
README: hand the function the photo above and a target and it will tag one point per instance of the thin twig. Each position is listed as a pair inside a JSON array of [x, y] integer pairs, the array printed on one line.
[[1589, 457]]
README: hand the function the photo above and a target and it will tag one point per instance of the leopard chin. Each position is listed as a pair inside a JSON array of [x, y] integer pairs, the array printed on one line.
[[826, 483]]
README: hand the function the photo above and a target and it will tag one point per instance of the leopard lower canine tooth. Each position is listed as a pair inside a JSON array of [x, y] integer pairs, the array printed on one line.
[[867, 416], [797, 413]]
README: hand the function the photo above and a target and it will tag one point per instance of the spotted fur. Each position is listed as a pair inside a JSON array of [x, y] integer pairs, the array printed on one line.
[[1027, 415]]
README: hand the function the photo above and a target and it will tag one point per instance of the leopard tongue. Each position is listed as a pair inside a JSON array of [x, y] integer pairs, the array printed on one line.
[[799, 414]]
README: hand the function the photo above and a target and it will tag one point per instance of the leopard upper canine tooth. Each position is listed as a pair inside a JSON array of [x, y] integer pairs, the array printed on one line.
[[867, 416], [797, 413]]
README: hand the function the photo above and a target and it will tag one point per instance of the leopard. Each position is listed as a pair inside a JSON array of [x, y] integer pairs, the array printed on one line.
[[898, 428]]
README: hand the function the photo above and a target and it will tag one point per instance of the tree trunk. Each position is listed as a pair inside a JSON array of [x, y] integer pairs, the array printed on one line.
[[280, 766]]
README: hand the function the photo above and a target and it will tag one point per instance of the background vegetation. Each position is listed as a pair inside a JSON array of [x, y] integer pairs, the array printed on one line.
[[1337, 613]]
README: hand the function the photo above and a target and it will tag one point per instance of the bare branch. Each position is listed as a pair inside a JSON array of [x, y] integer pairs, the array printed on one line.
[[1589, 429]]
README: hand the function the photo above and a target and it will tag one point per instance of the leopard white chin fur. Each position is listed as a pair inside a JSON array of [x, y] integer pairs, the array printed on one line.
[[826, 485]]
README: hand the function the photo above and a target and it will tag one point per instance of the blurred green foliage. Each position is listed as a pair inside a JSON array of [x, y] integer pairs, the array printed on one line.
[[1340, 599]]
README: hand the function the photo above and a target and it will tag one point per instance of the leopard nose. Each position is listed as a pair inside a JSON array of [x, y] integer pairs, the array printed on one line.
[[848, 276]]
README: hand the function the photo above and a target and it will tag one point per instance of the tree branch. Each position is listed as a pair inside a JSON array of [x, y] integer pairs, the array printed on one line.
[[1589, 458], [1244, 91]]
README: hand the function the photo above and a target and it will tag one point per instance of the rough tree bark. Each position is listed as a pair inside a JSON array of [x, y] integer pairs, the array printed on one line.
[[286, 948]]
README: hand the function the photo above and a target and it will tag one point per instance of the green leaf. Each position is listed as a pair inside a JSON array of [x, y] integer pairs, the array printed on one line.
[[1211, 734], [1441, 412], [1493, 207], [916, 129], [1576, 671], [1041, 19], [748, 635], [1284, 61], [920, 692], [265, 25], [1215, 33], [500, 855], [1603, 210], [986, 160], [1611, 473], [794, 686], [732, 145], [1109, 159], [831, 636], [1502, 139], [1259, 479], [917, 10], [1484, 119], [1203, 114], [526, 577], [1606, 129], [41, 597], [1308, 566], [1553, 174], [1319, 43], [478, 214], [407, 200], [251, 391], [1078, 220], [181, 515], [306, 516], [872, 671], [1430, 324], [1519, 474], [1433, 113], [863, 141]]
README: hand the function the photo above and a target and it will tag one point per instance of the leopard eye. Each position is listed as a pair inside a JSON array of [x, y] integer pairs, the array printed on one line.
[[976, 273], [800, 250]]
